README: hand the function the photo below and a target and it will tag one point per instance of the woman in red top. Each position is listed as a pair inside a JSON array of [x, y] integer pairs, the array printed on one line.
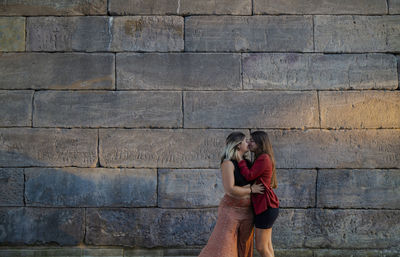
[[265, 205]]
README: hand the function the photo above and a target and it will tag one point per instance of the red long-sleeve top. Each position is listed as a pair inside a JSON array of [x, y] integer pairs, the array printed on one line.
[[261, 172]]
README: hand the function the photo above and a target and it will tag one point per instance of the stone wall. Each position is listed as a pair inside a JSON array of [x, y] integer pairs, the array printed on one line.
[[114, 113]]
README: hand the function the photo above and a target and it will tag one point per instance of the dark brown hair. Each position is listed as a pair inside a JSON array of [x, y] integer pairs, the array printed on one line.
[[264, 146]]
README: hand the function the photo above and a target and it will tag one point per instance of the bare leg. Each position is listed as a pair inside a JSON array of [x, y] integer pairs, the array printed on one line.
[[264, 243]]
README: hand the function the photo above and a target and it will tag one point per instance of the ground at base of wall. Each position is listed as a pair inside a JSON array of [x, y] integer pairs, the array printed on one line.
[[182, 252]]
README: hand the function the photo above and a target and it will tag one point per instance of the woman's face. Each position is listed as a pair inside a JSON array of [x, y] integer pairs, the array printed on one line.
[[251, 144], [243, 146]]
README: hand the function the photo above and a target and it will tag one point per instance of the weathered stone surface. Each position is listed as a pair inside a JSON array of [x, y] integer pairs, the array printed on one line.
[[161, 148], [320, 7], [347, 253], [234, 7], [48, 147], [22, 225], [255, 33], [355, 229], [357, 33], [11, 187], [296, 188], [52, 7], [363, 189], [290, 229], [182, 7], [187, 188], [89, 33], [42, 252], [16, 108], [184, 71], [292, 71], [290, 252], [394, 6], [12, 34], [57, 71], [90, 187], [144, 252], [104, 252], [360, 109], [149, 227], [147, 33], [336, 148], [107, 109], [149, 7], [250, 109]]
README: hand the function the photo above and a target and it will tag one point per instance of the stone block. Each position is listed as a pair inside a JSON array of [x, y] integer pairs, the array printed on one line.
[[41, 252], [291, 252], [293, 71], [11, 187], [90, 187], [347, 253], [147, 33], [88, 33], [232, 7], [162, 148], [357, 33], [394, 6], [296, 188], [21, 147], [320, 7], [290, 229], [355, 229], [250, 109], [107, 109], [186, 188], [21, 225], [16, 108], [377, 189], [12, 34], [336, 148], [184, 71], [139, 7], [149, 227], [253, 33], [57, 71], [180, 7], [360, 109], [52, 7], [103, 252]]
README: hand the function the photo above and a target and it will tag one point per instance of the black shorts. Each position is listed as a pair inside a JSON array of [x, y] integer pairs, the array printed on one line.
[[267, 218]]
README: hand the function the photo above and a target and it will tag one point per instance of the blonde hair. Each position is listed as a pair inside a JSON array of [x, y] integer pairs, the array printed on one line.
[[231, 143]]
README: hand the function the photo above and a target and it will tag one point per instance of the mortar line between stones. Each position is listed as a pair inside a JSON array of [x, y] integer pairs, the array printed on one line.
[[184, 34], [241, 70], [183, 111], [387, 7], [115, 71], [85, 225], [157, 188], [98, 148], [23, 195], [313, 32], [32, 107], [319, 110], [26, 33], [316, 189], [252, 7]]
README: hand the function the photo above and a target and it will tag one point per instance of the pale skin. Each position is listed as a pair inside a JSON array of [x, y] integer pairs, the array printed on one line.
[[228, 179], [263, 236]]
